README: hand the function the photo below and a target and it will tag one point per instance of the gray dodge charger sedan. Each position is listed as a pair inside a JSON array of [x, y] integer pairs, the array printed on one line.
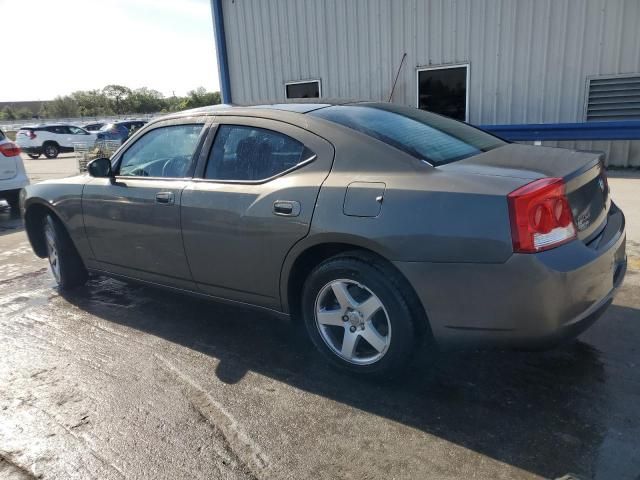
[[380, 227]]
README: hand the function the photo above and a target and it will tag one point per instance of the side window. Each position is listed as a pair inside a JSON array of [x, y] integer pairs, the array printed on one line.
[[250, 153], [163, 152], [59, 130], [76, 131]]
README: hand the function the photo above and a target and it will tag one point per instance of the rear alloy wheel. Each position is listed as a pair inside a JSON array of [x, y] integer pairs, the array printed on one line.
[[34, 155], [357, 317], [50, 150], [66, 264]]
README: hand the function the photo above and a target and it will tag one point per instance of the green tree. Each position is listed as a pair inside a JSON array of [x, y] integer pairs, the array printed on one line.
[[92, 103], [145, 100], [200, 98], [24, 113], [63, 107], [118, 96], [44, 110], [9, 113]]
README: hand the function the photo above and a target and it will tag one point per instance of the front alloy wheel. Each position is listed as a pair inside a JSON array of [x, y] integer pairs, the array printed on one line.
[[66, 265], [52, 250], [353, 322]]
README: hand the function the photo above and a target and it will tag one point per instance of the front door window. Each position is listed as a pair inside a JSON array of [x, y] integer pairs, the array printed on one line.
[[165, 152]]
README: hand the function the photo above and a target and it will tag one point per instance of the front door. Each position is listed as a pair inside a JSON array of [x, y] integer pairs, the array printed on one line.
[[133, 223], [254, 201]]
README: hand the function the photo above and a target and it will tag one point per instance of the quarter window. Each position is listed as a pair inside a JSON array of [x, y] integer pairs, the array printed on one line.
[[250, 154], [443, 90], [162, 152]]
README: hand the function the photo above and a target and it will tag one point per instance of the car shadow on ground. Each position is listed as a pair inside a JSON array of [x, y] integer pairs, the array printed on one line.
[[543, 412], [10, 220]]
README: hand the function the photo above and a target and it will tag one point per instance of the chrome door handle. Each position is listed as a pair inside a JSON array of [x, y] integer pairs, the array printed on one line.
[[164, 197], [286, 208]]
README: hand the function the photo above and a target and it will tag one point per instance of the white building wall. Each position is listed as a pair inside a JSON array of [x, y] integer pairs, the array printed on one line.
[[529, 59]]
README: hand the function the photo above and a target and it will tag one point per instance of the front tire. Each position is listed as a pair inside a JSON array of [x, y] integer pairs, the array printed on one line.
[[66, 264], [357, 317], [50, 150]]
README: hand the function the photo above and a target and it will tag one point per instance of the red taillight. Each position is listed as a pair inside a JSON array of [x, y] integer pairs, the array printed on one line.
[[541, 217], [9, 149]]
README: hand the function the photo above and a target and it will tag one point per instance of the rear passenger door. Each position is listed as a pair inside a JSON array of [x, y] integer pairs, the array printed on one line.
[[252, 202]]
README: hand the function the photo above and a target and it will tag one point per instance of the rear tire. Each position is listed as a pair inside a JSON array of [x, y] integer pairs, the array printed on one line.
[[50, 150], [34, 155], [351, 286], [66, 264]]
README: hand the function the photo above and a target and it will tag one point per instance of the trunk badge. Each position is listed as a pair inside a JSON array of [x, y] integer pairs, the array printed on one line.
[[583, 220]]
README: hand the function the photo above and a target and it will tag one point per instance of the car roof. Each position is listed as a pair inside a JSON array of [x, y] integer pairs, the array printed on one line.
[[299, 106]]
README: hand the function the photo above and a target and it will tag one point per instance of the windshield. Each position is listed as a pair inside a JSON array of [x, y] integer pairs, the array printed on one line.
[[106, 127], [425, 135]]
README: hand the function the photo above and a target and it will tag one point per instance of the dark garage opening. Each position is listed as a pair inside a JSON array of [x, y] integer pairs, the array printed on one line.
[[444, 91]]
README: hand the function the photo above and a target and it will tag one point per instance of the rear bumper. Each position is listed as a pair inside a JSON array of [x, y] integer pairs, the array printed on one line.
[[15, 183], [530, 301]]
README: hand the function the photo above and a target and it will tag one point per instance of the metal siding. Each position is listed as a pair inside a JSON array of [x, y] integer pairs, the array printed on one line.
[[529, 59]]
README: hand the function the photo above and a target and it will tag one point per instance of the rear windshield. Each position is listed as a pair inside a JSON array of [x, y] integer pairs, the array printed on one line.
[[425, 135], [1, 135]]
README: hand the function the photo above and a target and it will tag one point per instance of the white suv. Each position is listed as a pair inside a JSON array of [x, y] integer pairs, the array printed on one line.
[[51, 140], [12, 174]]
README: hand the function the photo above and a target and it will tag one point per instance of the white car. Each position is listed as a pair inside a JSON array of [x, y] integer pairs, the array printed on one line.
[[12, 174], [53, 139]]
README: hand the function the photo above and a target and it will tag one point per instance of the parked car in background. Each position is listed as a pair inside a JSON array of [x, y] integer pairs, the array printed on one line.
[[119, 131], [12, 174], [93, 127], [381, 227], [52, 139]]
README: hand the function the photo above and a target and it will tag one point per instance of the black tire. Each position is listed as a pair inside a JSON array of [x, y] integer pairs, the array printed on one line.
[[379, 280], [50, 149], [66, 265], [34, 155]]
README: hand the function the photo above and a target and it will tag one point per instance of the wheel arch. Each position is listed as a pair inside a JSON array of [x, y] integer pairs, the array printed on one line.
[[306, 255], [35, 212]]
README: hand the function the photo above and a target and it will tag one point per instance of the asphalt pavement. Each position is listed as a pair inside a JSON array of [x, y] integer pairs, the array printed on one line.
[[117, 380]]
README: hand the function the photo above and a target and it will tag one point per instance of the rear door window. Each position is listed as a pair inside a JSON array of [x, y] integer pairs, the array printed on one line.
[[243, 153]]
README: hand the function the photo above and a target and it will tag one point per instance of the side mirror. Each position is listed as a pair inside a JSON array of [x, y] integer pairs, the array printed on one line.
[[100, 168]]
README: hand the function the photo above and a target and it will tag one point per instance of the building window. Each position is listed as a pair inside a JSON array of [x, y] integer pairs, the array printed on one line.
[[306, 89], [443, 90], [613, 97]]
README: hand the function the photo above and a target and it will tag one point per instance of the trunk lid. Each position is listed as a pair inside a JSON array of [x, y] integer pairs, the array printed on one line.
[[583, 172]]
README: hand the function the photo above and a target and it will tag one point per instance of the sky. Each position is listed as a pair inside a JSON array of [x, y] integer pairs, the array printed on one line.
[[55, 47]]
